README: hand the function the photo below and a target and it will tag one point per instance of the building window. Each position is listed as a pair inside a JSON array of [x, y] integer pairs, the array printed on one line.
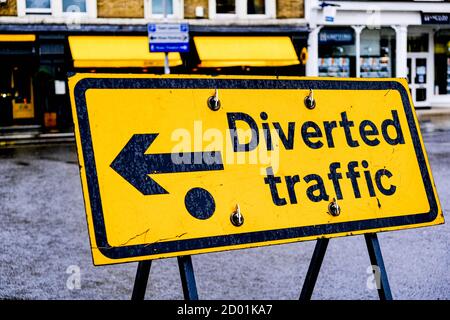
[[74, 6], [226, 6], [246, 9], [38, 7], [158, 7], [155, 9], [377, 53], [256, 7]]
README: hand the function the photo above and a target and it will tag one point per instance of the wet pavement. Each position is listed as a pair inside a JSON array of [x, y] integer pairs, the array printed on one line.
[[44, 243]]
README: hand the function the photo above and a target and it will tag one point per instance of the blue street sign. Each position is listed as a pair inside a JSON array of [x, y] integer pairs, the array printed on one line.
[[164, 37]]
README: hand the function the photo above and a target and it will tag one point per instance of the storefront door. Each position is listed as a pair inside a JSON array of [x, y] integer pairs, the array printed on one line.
[[16, 96], [419, 68], [418, 78]]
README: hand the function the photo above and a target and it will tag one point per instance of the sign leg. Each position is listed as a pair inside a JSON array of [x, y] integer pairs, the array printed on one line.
[[376, 259], [314, 268], [140, 283], [187, 278]]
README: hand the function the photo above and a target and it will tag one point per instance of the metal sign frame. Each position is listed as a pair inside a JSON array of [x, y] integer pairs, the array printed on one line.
[[189, 285], [180, 246]]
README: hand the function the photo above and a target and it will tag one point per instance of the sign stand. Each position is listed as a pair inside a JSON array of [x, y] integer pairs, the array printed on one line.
[[376, 259], [186, 274], [190, 287]]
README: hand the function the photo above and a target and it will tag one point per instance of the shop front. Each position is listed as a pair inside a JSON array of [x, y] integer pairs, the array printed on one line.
[[33, 94], [373, 39], [18, 65]]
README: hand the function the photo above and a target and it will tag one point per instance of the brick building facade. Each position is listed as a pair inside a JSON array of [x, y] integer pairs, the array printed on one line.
[[8, 9], [120, 8], [285, 9]]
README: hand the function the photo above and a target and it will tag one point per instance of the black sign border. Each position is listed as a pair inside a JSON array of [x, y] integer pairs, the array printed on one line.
[[243, 238]]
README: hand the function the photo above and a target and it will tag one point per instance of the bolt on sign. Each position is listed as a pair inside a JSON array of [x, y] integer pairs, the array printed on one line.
[[180, 165]]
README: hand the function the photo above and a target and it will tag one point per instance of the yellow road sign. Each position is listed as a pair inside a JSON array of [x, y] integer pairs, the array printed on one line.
[[178, 165]]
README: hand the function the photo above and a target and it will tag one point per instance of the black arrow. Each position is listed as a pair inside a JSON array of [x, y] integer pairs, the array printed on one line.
[[134, 165]]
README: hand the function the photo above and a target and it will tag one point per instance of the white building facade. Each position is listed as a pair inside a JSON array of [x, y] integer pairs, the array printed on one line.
[[407, 39]]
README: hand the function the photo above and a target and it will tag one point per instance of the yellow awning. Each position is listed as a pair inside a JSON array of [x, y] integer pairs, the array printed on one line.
[[245, 51], [117, 52], [17, 37]]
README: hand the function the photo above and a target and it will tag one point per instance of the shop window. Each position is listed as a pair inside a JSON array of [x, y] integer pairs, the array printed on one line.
[[337, 52], [421, 71], [155, 8], [377, 53], [226, 6], [418, 42], [442, 62], [242, 8]]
